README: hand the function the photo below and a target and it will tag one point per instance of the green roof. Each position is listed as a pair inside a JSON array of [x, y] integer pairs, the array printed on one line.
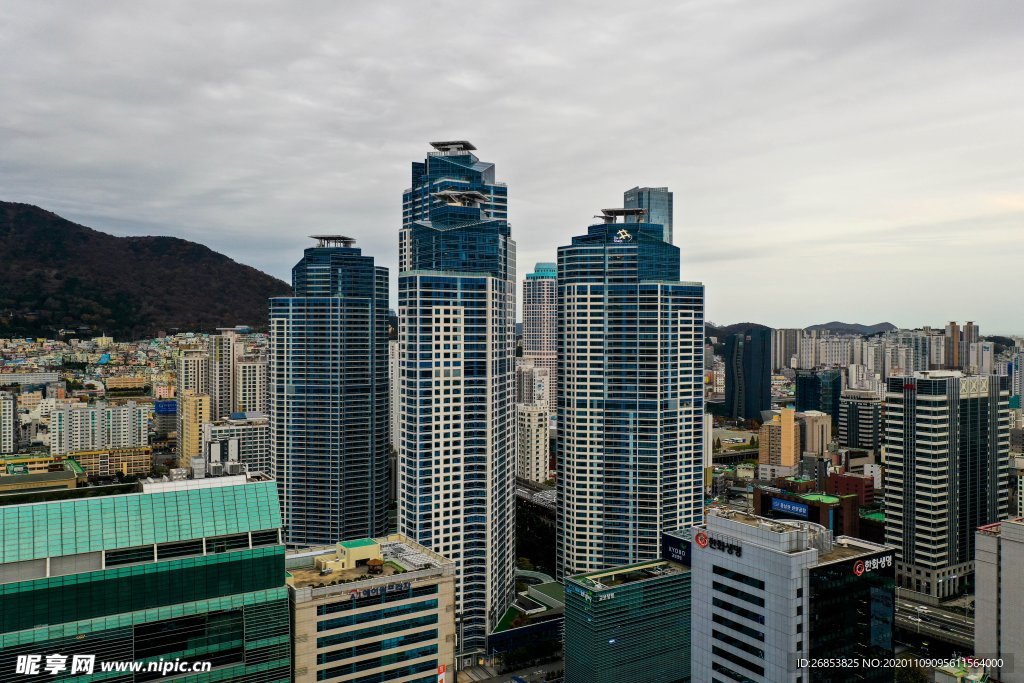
[[89, 524], [358, 543], [552, 589], [821, 498], [75, 467], [873, 516]]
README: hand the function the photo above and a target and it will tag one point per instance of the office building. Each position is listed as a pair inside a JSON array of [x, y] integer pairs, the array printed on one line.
[[767, 593], [108, 462], [148, 572], [748, 379], [631, 395], [9, 423], [165, 417], [193, 413], [540, 324], [779, 441], [242, 437], [998, 586], [629, 624], [819, 390], [372, 609], [250, 378], [946, 452], [656, 202], [860, 420], [82, 427], [533, 450], [840, 514], [785, 346], [815, 431], [328, 395], [456, 455]]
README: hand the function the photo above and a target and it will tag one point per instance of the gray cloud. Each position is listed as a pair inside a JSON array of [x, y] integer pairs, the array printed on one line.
[[850, 160]]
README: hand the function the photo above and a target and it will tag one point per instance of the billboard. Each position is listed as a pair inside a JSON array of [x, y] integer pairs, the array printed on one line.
[[165, 407], [790, 508], [676, 548]]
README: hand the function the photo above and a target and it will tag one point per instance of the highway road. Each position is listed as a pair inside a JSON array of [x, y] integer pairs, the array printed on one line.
[[935, 622]]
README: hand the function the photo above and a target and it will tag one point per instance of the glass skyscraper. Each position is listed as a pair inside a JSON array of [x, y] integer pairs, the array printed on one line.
[[456, 296], [656, 201], [630, 395], [328, 396], [191, 570], [748, 375]]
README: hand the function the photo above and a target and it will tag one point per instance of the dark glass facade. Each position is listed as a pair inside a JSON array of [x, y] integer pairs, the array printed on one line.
[[748, 379], [852, 609], [328, 397], [819, 390], [656, 201]]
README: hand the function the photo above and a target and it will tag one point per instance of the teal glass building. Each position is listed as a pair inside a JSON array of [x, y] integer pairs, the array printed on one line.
[[190, 570], [328, 396], [628, 624]]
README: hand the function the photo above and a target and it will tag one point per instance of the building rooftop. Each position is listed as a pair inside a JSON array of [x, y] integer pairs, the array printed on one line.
[[846, 547], [821, 498], [997, 528], [627, 574], [398, 553]]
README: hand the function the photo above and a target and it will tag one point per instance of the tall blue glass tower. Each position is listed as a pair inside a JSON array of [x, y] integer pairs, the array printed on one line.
[[656, 201], [328, 396], [630, 395], [456, 298]]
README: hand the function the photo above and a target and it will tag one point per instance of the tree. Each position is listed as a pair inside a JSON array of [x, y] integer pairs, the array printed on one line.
[[718, 444], [911, 674], [525, 564]]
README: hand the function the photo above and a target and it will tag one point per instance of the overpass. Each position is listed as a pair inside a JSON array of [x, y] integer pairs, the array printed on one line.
[[936, 623]]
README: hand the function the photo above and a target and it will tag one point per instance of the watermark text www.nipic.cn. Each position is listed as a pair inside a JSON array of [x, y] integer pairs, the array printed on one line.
[[41, 665]]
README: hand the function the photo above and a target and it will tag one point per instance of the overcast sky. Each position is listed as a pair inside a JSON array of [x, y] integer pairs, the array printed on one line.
[[860, 161]]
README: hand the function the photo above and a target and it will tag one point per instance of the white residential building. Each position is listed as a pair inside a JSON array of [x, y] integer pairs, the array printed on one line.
[[246, 440], [83, 427], [8, 423], [532, 448]]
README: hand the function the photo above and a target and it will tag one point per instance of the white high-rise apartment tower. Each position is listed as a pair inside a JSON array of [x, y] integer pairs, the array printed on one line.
[[8, 423], [456, 311], [630, 395], [540, 324], [193, 375]]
